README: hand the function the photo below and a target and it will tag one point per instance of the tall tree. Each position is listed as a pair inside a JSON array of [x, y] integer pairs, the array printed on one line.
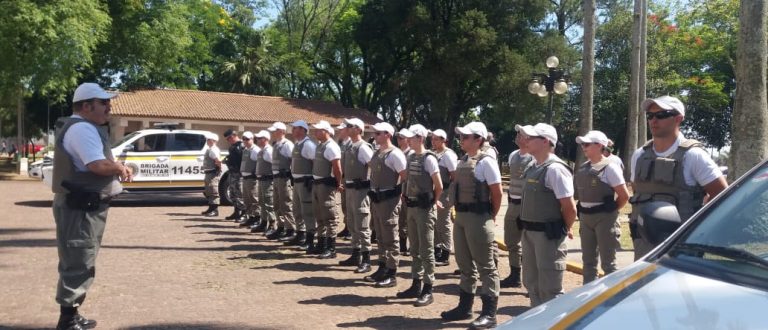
[[634, 102], [44, 44], [750, 115], [642, 124], [587, 70]]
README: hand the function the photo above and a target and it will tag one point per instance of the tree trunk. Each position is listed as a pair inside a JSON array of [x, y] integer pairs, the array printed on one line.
[[642, 129], [20, 120], [750, 113], [631, 138], [587, 72]]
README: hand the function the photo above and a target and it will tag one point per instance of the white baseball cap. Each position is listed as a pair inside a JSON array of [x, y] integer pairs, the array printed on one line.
[[384, 127], [593, 137], [665, 102], [342, 125], [540, 129], [441, 133], [248, 135], [324, 125], [300, 123], [355, 122], [276, 126], [415, 130], [262, 134], [87, 91], [211, 136], [474, 127], [404, 132]]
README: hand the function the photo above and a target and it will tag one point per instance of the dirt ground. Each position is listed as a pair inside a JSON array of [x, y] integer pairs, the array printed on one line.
[[163, 266]]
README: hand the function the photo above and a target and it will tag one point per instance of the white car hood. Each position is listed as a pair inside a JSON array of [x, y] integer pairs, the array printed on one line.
[[650, 296]]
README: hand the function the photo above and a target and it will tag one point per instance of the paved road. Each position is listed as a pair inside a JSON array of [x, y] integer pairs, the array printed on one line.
[[162, 265]]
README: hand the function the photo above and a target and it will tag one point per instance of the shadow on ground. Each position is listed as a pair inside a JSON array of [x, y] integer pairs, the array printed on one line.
[[193, 326], [13, 231], [47, 203], [398, 322]]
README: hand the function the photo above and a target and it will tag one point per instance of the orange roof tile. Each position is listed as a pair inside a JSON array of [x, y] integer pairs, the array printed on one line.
[[202, 105]]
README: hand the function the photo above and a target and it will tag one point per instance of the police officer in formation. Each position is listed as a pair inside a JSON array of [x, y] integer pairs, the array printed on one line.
[[548, 211], [282, 150], [670, 168], [596, 181], [356, 157], [327, 174], [423, 187], [387, 173], [235, 186], [518, 161], [402, 221], [247, 167], [85, 177], [212, 170], [301, 169], [264, 178], [446, 160], [342, 135], [477, 191]]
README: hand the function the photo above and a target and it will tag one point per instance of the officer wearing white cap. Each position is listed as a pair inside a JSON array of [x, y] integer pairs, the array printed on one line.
[[282, 150], [85, 177], [670, 167], [301, 169], [233, 160], [327, 174], [342, 137], [356, 158], [446, 160], [596, 181], [477, 190], [387, 173], [265, 179], [547, 214], [251, 211], [402, 143], [212, 170], [518, 161], [608, 153], [423, 188]]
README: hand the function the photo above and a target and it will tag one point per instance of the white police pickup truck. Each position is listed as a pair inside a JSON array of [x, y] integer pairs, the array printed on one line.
[[163, 159]]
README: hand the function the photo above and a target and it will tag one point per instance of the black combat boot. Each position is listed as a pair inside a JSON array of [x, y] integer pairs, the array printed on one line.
[[210, 207], [487, 318], [297, 239], [444, 260], [261, 227], [70, 319], [309, 243], [248, 221], [463, 311], [343, 233], [388, 280], [404, 245], [413, 292], [212, 212], [288, 236], [235, 215], [376, 276], [270, 230], [330, 249], [353, 260], [319, 247], [276, 233], [365, 263], [513, 280], [426, 297]]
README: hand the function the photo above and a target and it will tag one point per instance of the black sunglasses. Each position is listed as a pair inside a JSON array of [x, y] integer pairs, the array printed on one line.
[[586, 144], [246, 139], [664, 114]]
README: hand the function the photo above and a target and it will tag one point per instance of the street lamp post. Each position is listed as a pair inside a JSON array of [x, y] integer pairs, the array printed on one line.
[[549, 84]]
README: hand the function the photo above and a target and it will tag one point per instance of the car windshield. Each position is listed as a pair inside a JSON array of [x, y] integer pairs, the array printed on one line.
[[125, 138], [734, 233]]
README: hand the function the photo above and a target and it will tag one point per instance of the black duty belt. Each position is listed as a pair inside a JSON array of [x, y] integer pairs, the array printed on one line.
[[358, 184], [424, 201], [553, 230], [268, 177], [210, 171], [378, 196], [479, 208], [606, 207], [533, 226], [328, 181], [249, 177], [283, 174], [303, 179]]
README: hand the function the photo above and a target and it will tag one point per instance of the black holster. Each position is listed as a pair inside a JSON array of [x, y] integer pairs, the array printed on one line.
[[424, 201], [79, 199], [555, 230]]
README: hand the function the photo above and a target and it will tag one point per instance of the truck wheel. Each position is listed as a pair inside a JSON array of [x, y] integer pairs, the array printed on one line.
[[224, 190]]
